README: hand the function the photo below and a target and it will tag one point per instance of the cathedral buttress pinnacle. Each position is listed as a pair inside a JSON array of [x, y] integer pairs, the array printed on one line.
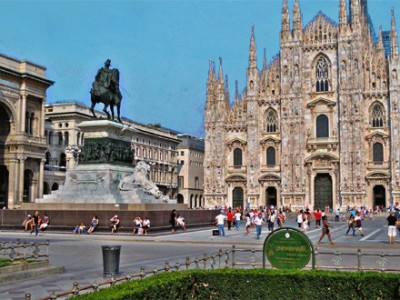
[[343, 15], [297, 21], [252, 50], [285, 33], [394, 42]]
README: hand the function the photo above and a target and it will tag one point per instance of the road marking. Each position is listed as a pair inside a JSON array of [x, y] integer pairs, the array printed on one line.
[[369, 235]]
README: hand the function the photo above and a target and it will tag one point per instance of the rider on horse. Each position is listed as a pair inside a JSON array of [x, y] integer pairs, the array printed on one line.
[[105, 89]]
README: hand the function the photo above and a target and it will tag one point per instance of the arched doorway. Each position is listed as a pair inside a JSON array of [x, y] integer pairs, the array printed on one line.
[[46, 188], [54, 187], [237, 197], [323, 191], [379, 195], [4, 132], [270, 196], [180, 199], [191, 201], [3, 187], [28, 177]]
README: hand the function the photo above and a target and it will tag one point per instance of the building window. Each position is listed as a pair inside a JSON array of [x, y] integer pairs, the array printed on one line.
[[378, 153], [271, 160], [66, 139], [182, 153], [322, 75], [60, 139], [196, 182], [182, 162], [378, 115], [180, 182], [63, 160], [78, 138], [322, 126], [237, 157], [271, 121]]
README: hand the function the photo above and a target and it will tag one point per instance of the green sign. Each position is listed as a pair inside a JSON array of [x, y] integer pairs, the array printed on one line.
[[288, 248]]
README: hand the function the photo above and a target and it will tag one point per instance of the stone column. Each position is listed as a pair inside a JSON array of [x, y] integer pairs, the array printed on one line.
[[41, 177], [42, 118], [12, 182], [23, 111], [21, 180]]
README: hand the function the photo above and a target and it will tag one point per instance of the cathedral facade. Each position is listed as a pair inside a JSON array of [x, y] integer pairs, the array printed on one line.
[[317, 126]]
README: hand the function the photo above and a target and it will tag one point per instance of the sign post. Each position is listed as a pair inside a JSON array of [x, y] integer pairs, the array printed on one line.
[[288, 248]]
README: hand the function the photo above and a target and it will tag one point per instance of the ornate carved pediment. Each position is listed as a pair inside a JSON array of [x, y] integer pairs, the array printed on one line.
[[321, 100], [270, 140], [377, 175], [376, 135], [322, 157], [321, 29], [269, 177], [236, 178], [236, 142]]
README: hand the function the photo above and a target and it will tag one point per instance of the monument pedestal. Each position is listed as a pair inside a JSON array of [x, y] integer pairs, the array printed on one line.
[[106, 161]]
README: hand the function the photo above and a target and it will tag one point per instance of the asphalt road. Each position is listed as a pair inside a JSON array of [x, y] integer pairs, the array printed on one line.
[[81, 255]]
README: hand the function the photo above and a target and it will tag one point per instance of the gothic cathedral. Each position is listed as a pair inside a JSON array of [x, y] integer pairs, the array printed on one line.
[[318, 126]]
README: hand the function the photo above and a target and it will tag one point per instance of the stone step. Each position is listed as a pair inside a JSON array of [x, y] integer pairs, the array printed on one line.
[[30, 274]]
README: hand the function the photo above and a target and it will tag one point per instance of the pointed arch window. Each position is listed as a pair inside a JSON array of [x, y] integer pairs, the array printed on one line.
[[271, 157], [378, 116], [378, 153], [271, 121], [322, 75], [322, 126], [237, 157]]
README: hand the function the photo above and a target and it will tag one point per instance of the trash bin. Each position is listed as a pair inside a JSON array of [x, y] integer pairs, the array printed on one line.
[[111, 259]]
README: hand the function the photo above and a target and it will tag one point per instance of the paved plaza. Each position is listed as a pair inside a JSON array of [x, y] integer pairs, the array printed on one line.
[[82, 255]]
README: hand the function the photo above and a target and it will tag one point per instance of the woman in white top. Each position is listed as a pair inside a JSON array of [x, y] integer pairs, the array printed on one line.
[[248, 224], [238, 215]]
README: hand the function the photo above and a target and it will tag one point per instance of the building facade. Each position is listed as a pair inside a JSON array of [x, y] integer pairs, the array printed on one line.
[[191, 171], [64, 138], [317, 126], [23, 87]]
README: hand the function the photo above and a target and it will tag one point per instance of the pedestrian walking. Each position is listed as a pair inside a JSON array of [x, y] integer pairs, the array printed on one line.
[[172, 221], [391, 227], [325, 230], [238, 216], [36, 223], [229, 217], [358, 223], [318, 216], [350, 225], [220, 223], [271, 221], [258, 221], [300, 218], [248, 223]]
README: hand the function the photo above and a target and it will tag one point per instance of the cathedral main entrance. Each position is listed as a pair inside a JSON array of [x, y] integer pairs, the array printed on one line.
[[270, 197], [379, 196], [323, 191], [237, 197]]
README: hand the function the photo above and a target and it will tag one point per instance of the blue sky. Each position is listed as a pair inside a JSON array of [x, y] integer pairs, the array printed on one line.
[[161, 48]]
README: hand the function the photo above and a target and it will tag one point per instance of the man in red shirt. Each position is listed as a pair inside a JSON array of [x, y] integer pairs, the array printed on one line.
[[229, 219], [317, 215]]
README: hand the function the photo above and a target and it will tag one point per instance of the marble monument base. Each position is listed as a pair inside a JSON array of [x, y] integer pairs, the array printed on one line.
[[98, 184]]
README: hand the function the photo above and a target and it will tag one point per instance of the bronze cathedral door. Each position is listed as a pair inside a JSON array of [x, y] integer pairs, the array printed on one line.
[[323, 191]]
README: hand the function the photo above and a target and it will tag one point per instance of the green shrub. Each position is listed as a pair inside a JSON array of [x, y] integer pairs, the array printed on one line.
[[256, 284]]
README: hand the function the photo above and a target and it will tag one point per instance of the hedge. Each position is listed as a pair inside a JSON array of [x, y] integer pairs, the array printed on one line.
[[255, 284]]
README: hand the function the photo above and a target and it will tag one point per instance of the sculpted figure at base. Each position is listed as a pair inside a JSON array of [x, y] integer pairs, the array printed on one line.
[[105, 89], [140, 180]]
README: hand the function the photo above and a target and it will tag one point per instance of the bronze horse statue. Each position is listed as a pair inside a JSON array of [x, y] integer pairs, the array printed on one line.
[[110, 96]]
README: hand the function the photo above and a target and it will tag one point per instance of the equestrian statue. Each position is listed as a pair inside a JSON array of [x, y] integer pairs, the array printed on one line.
[[105, 89]]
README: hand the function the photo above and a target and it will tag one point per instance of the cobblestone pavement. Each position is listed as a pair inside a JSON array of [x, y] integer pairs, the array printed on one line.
[[82, 254]]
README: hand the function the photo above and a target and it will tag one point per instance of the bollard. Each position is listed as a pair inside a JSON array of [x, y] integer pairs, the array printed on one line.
[[111, 256]]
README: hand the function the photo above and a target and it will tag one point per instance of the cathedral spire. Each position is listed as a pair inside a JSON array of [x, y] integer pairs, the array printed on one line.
[[355, 13], [265, 60], [226, 90], [379, 46], [236, 92], [297, 21], [211, 73], [394, 42], [252, 51], [285, 33], [220, 72], [343, 14]]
